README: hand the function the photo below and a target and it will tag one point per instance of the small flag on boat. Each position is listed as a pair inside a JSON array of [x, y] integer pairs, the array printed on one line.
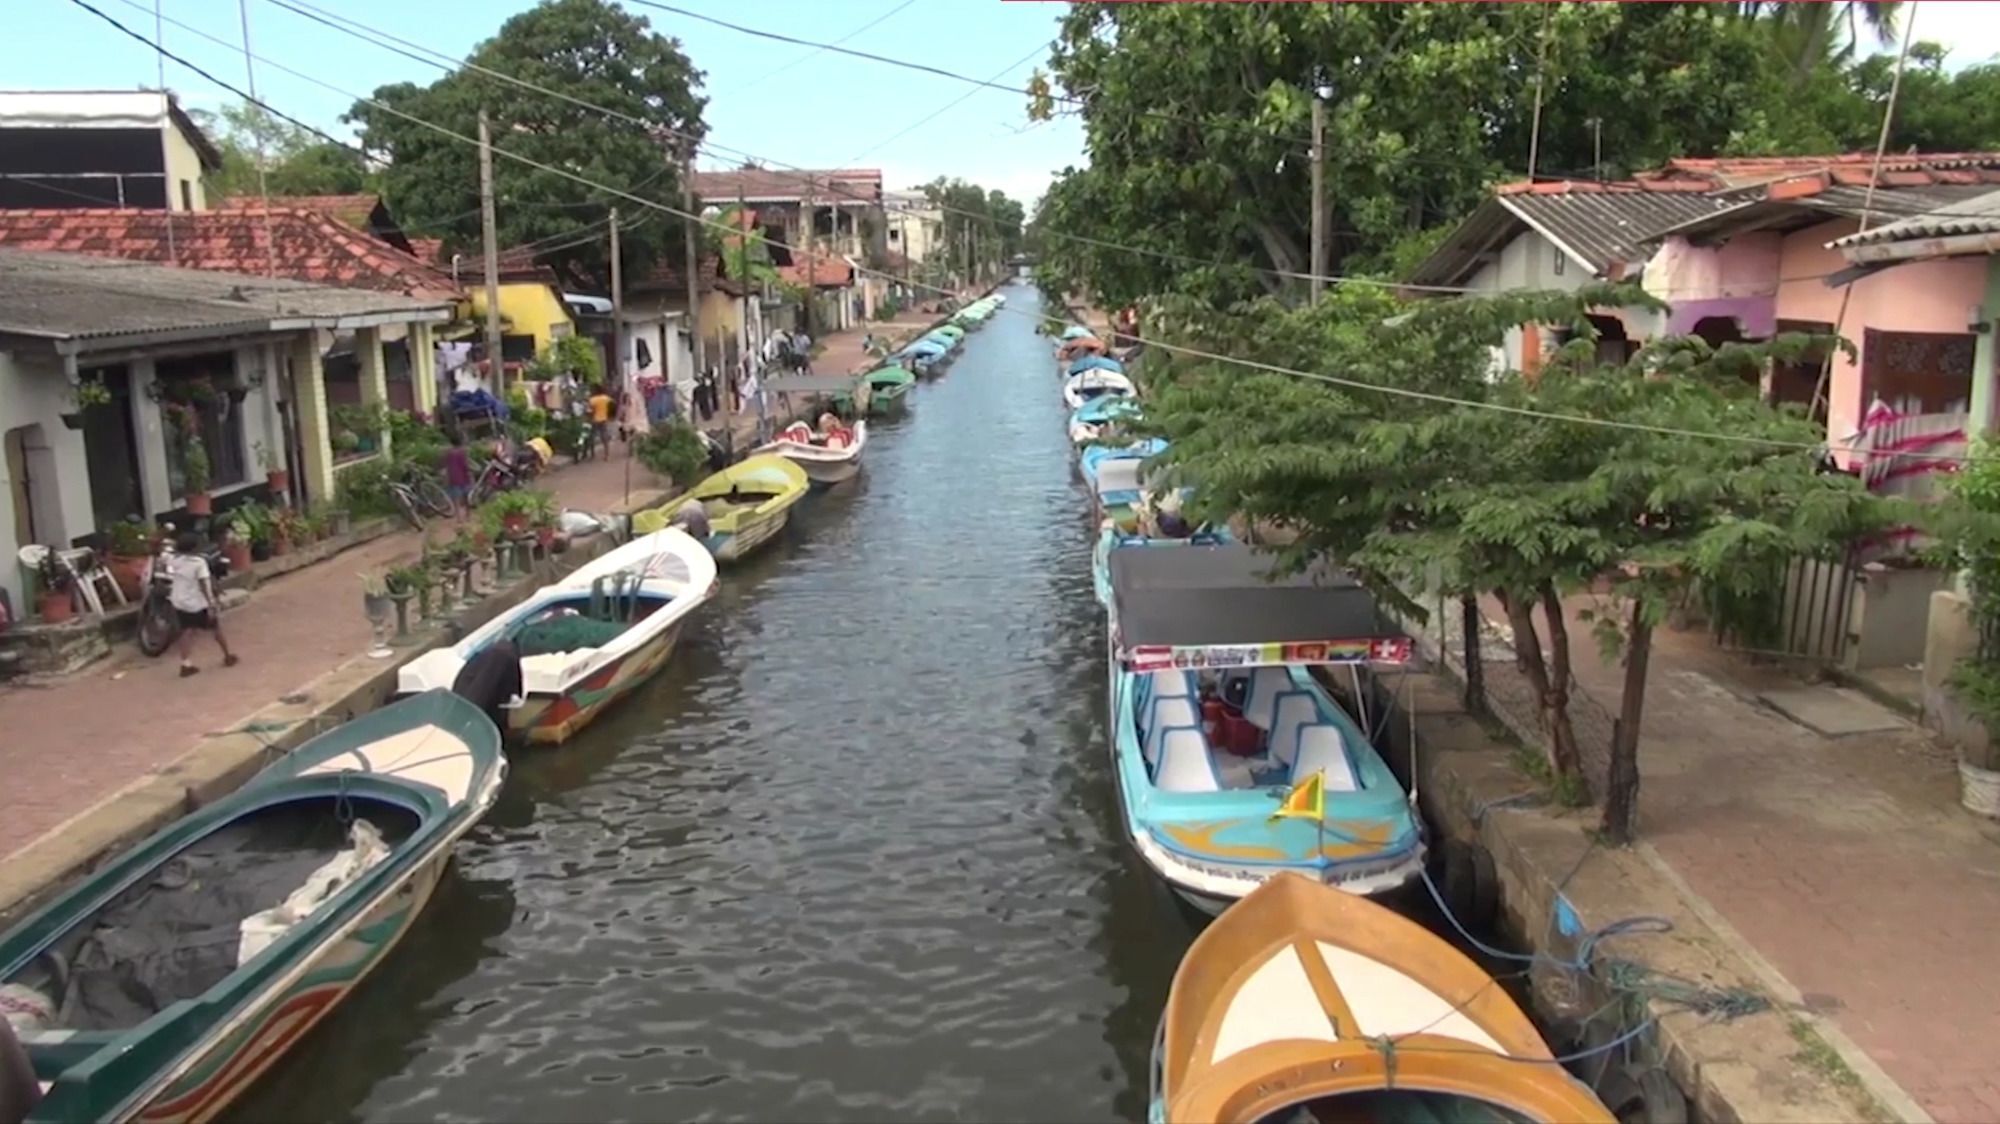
[[1305, 801]]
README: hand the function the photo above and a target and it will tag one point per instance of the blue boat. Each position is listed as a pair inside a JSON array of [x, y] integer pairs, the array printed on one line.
[[1111, 538], [1216, 720], [1084, 363], [928, 356], [1113, 475], [1087, 422]]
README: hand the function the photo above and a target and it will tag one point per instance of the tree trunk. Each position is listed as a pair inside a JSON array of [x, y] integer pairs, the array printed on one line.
[[1528, 655], [1475, 666], [1562, 732], [1621, 796]]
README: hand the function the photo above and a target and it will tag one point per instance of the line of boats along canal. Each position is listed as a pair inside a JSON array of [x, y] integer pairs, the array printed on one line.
[[162, 985]]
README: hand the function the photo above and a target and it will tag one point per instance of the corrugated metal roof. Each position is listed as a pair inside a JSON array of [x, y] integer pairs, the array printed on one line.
[[1602, 228], [78, 297], [1977, 215], [1753, 208]]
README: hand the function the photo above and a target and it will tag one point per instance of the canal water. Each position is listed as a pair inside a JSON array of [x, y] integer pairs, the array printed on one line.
[[853, 855]]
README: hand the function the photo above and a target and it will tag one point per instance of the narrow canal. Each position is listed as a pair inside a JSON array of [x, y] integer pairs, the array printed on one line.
[[852, 856]]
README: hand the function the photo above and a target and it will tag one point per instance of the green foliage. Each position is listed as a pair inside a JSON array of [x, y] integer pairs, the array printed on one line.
[[674, 451], [296, 162], [573, 355], [993, 220], [253, 523], [195, 470], [744, 260], [357, 428], [363, 489], [131, 538], [1197, 119], [1968, 530], [91, 392], [415, 441], [590, 50]]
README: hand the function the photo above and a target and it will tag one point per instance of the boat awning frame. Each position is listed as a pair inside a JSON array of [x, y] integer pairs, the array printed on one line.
[[1220, 606]]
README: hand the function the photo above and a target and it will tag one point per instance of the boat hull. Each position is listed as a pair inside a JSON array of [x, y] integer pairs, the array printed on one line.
[[825, 474], [215, 1077], [732, 546], [554, 719]]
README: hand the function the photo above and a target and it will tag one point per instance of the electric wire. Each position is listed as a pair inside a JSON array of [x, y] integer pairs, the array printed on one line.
[[1170, 348]]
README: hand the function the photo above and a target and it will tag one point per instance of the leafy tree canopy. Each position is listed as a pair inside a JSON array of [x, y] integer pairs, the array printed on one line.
[[590, 50], [994, 219], [1197, 119], [296, 161]]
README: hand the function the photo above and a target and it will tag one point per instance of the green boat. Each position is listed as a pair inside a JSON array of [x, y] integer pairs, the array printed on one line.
[[167, 981], [883, 392], [954, 332]]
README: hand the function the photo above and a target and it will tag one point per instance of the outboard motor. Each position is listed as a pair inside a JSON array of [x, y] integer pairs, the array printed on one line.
[[490, 680]]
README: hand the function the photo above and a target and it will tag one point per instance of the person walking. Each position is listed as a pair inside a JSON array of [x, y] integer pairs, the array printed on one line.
[[601, 407], [191, 593], [457, 464]]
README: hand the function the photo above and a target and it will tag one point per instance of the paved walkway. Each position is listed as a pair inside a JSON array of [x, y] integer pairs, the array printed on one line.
[[70, 743], [1844, 861]]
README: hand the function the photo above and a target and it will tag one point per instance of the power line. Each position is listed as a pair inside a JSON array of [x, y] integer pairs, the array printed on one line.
[[818, 51], [1179, 349]]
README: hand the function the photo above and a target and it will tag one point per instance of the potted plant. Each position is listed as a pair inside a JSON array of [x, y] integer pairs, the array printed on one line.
[[276, 477], [252, 525], [236, 549], [53, 602], [86, 394], [131, 547]]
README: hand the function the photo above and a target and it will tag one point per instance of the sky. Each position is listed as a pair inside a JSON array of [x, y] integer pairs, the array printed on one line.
[[787, 105]]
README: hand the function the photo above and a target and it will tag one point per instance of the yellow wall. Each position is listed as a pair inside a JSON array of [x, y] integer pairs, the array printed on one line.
[[532, 308], [183, 165]]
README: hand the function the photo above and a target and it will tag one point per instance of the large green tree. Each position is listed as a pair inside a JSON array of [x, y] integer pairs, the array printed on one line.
[[295, 160], [590, 50], [988, 221], [1421, 472]]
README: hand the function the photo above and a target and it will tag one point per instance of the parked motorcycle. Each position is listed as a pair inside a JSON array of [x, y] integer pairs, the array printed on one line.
[[159, 625]]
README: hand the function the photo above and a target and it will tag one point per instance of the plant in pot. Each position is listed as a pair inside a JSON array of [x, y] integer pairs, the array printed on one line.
[[87, 394], [131, 546], [53, 601], [252, 525], [1968, 527], [276, 477]]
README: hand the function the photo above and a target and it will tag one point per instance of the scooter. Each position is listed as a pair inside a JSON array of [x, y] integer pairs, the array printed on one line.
[[159, 625]]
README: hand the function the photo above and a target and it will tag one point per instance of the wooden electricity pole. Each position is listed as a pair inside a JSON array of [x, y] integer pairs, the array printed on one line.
[[1318, 268], [491, 238], [617, 315], [691, 243]]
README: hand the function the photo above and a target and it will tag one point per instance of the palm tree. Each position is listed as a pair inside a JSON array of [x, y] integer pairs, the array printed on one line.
[[1810, 35]]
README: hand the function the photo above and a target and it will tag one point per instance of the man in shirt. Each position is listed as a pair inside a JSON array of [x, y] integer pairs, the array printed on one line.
[[601, 405], [191, 593], [458, 473]]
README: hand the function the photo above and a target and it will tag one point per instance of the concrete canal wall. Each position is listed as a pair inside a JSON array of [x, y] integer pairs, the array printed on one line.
[[224, 761], [1557, 882]]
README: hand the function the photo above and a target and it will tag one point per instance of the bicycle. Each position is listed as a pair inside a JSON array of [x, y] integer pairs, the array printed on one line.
[[419, 492]]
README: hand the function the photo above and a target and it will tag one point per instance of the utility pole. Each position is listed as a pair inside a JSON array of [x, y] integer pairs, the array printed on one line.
[[691, 243], [812, 281], [1322, 93], [491, 238], [756, 356], [617, 313]]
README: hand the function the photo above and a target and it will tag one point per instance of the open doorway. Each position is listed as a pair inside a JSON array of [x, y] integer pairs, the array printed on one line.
[[112, 449]]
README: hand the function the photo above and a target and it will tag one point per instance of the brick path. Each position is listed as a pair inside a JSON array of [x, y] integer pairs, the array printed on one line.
[[1845, 862], [68, 744]]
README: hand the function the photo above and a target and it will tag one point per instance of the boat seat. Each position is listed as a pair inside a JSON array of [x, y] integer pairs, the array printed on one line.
[[1294, 710], [1322, 749], [1162, 715], [1173, 684], [1261, 704], [1185, 765]]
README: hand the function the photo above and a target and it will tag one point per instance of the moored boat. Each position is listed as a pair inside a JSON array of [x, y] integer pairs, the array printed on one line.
[[165, 983], [828, 456], [1110, 538], [1094, 362], [748, 503], [929, 356], [883, 391], [1305, 1004], [1080, 388], [1116, 476], [590, 638], [1217, 724], [1094, 419]]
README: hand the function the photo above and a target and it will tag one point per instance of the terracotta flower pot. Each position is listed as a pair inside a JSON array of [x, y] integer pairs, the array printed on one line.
[[279, 480], [514, 523], [54, 606], [130, 573], [238, 553], [281, 545], [200, 503]]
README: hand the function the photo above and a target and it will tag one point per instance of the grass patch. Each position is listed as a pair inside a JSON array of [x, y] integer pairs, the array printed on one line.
[[1568, 792], [1818, 1055]]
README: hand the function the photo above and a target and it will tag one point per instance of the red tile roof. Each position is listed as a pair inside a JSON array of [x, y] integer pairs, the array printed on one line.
[[1912, 169], [301, 245], [1594, 187], [827, 273], [355, 210], [428, 250]]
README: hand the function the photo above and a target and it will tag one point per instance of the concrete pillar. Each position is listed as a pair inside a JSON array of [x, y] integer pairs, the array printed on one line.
[[423, 369], [149, 430], [1984, 355], [309, 404], [374, 377]]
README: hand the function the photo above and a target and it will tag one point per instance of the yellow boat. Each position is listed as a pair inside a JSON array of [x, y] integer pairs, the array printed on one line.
[[748, 503], [1303, 1003]]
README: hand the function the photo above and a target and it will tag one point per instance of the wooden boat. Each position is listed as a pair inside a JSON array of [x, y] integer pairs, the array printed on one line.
[[172, 977], [1306, 1004], [1116, 479], [883, 391], [748, 503], [590, 638], [827, 458], [1215, 721], [1080, 388], [1095, 419]]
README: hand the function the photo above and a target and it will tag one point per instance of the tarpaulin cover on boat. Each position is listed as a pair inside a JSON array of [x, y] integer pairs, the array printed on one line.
[[1219, 606], [810, 384]]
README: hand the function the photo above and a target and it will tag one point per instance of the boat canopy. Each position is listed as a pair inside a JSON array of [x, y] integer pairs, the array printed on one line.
[[1097, 411], [889, 376], [810, 384], [1096, 363], [929, 345], [1301, 992], [1221, 606]]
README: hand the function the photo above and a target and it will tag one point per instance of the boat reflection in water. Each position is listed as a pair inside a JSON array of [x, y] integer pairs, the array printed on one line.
[[1304, 1003]]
